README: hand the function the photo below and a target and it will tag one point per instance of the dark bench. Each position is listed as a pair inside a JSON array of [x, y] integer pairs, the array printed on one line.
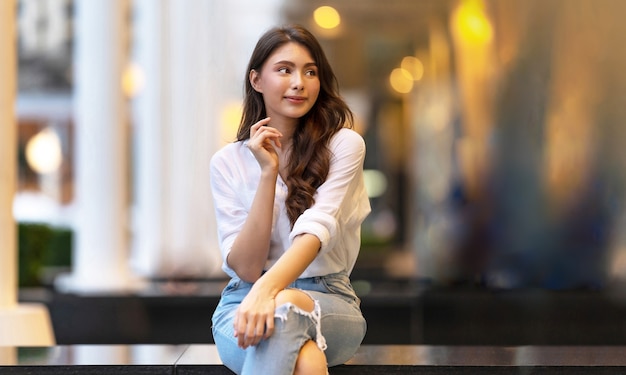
[[402, 312], [370, 359]]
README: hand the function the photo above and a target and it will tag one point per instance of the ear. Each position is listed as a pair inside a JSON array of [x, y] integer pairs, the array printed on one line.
[[254, 80]]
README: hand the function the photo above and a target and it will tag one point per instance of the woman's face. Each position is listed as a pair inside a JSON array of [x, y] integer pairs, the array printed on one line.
[[288, 81]]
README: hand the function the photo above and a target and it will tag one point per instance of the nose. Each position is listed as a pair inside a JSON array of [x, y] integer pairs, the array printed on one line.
[[297, 81]]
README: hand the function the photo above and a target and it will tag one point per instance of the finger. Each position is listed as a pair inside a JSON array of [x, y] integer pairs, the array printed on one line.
[[265, 135], [254, 128], [269, 326], [268, 138], [241, 339], [273, 135], [236, 323], [259, 332], [251, 333], [277, 141], [240, 329], [268, 132], [261, 122]]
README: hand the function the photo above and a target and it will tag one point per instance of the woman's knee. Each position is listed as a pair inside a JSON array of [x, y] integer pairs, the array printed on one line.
[[311, 360], [295, 296]]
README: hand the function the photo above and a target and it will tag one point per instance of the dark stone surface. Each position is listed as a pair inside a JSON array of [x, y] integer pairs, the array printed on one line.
[[89, 370], [90, 359], [370, 359]]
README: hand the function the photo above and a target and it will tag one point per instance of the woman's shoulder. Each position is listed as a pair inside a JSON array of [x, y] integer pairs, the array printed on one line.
[[349, 138], [229, 152], [229, 149]]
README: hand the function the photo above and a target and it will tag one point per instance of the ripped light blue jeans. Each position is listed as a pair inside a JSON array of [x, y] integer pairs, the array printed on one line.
[[336, 325]]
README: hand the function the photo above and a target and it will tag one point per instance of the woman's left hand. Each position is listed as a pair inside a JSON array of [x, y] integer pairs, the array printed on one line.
[[263, 142], [254, 319]]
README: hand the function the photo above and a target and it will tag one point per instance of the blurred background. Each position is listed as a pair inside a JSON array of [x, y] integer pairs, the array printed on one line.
[[494, 128]]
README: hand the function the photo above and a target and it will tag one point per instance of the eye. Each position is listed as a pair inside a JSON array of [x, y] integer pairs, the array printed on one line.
[[311, 72], [284, 70]]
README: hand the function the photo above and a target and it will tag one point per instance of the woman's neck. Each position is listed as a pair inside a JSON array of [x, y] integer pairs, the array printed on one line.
[[287, 129]]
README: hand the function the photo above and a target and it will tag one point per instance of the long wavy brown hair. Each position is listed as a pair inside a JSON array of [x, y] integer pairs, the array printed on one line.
[[310, 157]]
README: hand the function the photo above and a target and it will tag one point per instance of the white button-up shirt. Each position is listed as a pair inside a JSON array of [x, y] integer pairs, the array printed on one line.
[[341, 205]]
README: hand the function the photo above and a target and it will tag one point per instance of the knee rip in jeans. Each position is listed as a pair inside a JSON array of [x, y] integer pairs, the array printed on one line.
[[315, 315]]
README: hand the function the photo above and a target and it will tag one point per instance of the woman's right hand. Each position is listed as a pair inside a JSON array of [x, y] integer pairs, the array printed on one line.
[[263, 142], [254, 318]]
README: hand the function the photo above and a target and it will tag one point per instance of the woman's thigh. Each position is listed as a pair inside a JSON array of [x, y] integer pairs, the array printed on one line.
[[342, 326], [223, 331], [342, 323]]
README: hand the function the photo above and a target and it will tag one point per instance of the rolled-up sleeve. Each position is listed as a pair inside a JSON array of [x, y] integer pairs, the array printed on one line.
[[337, 199], [229, 197]]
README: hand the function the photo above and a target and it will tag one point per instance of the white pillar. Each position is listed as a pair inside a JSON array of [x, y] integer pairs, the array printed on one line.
[[100, 253], [175, 127], [20, 324], [193, 55], [149, 116], [8, 156]]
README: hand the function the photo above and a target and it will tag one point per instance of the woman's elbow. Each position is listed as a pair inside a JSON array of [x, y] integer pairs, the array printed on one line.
[[245, 270], [248, 274]]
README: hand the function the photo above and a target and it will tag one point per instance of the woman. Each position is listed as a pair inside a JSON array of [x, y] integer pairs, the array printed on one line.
[[290, 200]]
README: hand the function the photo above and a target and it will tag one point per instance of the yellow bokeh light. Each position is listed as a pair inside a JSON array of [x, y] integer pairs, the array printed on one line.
[[43, 152], [401, 80], [326, 17], [414, 66], [132, 80], [231, 115], [472, 22]]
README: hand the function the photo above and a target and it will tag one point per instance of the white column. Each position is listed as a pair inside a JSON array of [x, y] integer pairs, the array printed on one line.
[[100, 253], [20, 324], [149, 116], [8, 156], [175, 129], [193, 55]]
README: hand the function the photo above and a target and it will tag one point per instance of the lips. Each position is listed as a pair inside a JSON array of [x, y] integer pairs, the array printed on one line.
[[295, 99]]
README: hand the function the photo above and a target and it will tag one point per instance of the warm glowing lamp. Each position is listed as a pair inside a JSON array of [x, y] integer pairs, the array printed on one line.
[[326, 17], [472, 22], [43, 151]]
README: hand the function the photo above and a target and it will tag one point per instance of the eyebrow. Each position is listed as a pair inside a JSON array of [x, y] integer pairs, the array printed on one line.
[[290, 63]]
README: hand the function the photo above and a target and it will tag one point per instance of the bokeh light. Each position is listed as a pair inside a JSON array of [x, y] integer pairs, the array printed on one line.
[[401, 80], [133, 80], [375, 182], [43, 151], [326, 17], [472, 22], [231, 115], [413, 66]]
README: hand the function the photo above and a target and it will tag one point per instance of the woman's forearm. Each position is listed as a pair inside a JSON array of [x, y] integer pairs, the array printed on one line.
[[250, 250], [289, 266]]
